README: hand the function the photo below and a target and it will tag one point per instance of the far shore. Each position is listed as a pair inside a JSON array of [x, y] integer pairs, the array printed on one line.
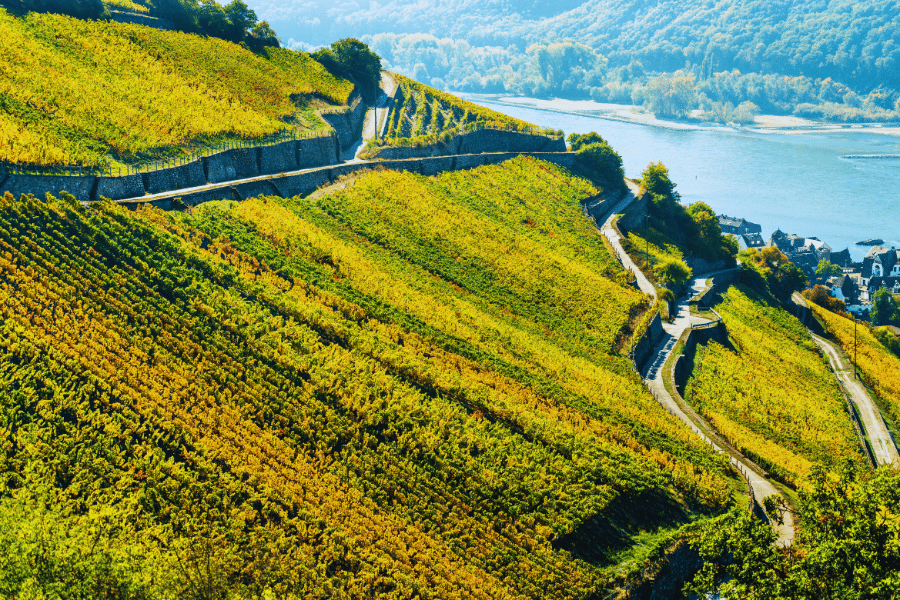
[[783, 124]]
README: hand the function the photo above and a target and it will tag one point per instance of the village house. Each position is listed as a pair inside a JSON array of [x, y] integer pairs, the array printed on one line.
[[738, 226], [804, 252], [751, 240], [880, 262]]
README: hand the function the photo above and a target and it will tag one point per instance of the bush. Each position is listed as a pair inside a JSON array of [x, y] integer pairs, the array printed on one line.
[[819, 294], [672, 270], [605, 162], [577, 141]]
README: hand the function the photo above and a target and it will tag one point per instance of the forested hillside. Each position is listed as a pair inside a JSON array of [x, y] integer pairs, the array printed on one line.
[[406, 386], [80, 92], [831, 59]]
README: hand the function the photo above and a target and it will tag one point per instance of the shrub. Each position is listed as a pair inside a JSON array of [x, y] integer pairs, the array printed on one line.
[[600, 158]]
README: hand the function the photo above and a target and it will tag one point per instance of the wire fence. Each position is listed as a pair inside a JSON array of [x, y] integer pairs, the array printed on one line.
[[159, 164]]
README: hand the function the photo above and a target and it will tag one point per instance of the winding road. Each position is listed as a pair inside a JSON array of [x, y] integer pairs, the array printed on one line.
[[654, 373]]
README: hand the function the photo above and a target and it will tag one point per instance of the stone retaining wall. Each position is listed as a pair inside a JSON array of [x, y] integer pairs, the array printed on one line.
[[643, 349], [635, 216], [82, 187], [478, 142], [348, 124], [239, 163], [298, 184], [174, 178]]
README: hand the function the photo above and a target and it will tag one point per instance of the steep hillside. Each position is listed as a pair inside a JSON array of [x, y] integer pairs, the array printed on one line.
[[424, 111], [76, 92], [771, 395], [407, 386]]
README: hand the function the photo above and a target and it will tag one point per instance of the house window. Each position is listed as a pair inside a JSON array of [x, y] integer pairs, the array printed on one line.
[[876, 270]]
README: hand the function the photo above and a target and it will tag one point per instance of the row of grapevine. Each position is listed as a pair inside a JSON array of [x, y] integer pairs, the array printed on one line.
[[95, 92], [772, 395], [355, 383], [423, 114]]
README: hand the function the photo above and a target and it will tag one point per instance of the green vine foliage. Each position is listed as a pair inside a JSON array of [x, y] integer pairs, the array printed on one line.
[[407, 388]]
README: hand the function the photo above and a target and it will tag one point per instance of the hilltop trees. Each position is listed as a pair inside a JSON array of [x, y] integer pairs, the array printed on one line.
[[694, 229], [352, 58], [780, 274], [884, 308], [595, 154]]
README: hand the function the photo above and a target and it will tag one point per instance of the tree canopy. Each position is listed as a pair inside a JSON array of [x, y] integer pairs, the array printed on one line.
[[781, 276], [846, 546], [599, 157], [884, 308], [828, 269], [352, 58]]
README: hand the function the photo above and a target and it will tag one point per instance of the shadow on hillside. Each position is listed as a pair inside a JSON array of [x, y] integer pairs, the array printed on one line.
[[599, 539]]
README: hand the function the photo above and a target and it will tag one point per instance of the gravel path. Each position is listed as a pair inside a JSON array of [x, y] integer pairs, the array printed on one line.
[[388, 88], [880, 439]]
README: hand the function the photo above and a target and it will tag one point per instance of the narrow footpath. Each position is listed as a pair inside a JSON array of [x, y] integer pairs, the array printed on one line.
[[653, 374], [387, 89], [884, 449], [880, 440], [610, 233]]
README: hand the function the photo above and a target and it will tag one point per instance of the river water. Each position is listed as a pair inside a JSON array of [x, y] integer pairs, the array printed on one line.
[[796, 182]]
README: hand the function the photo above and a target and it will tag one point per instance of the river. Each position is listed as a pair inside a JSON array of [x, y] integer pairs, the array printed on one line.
[[797, 182]]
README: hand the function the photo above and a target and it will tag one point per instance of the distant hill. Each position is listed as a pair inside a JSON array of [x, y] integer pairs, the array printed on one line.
[[846, 54]]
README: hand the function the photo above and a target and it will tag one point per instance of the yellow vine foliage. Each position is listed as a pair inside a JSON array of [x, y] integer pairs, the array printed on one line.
[[127, 5], [773, 397], [879, 366], [380, 407], [93, 88]]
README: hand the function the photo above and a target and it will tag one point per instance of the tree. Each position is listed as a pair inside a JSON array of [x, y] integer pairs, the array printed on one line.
[[579, 140], [888, 338], [184, 13], [242, 20], [605, 162], [667, 96], [213, 20], [819, 295], [672, 270], [706, 239], [828, 269], [262, 36], [361, 63], [655, 180], [884, 308], [779, 275]]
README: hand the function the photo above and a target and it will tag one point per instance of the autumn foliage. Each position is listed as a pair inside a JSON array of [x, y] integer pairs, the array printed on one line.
[[407, 388]]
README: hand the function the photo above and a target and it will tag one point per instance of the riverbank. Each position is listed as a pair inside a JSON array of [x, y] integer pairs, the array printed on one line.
[[781, 124]]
